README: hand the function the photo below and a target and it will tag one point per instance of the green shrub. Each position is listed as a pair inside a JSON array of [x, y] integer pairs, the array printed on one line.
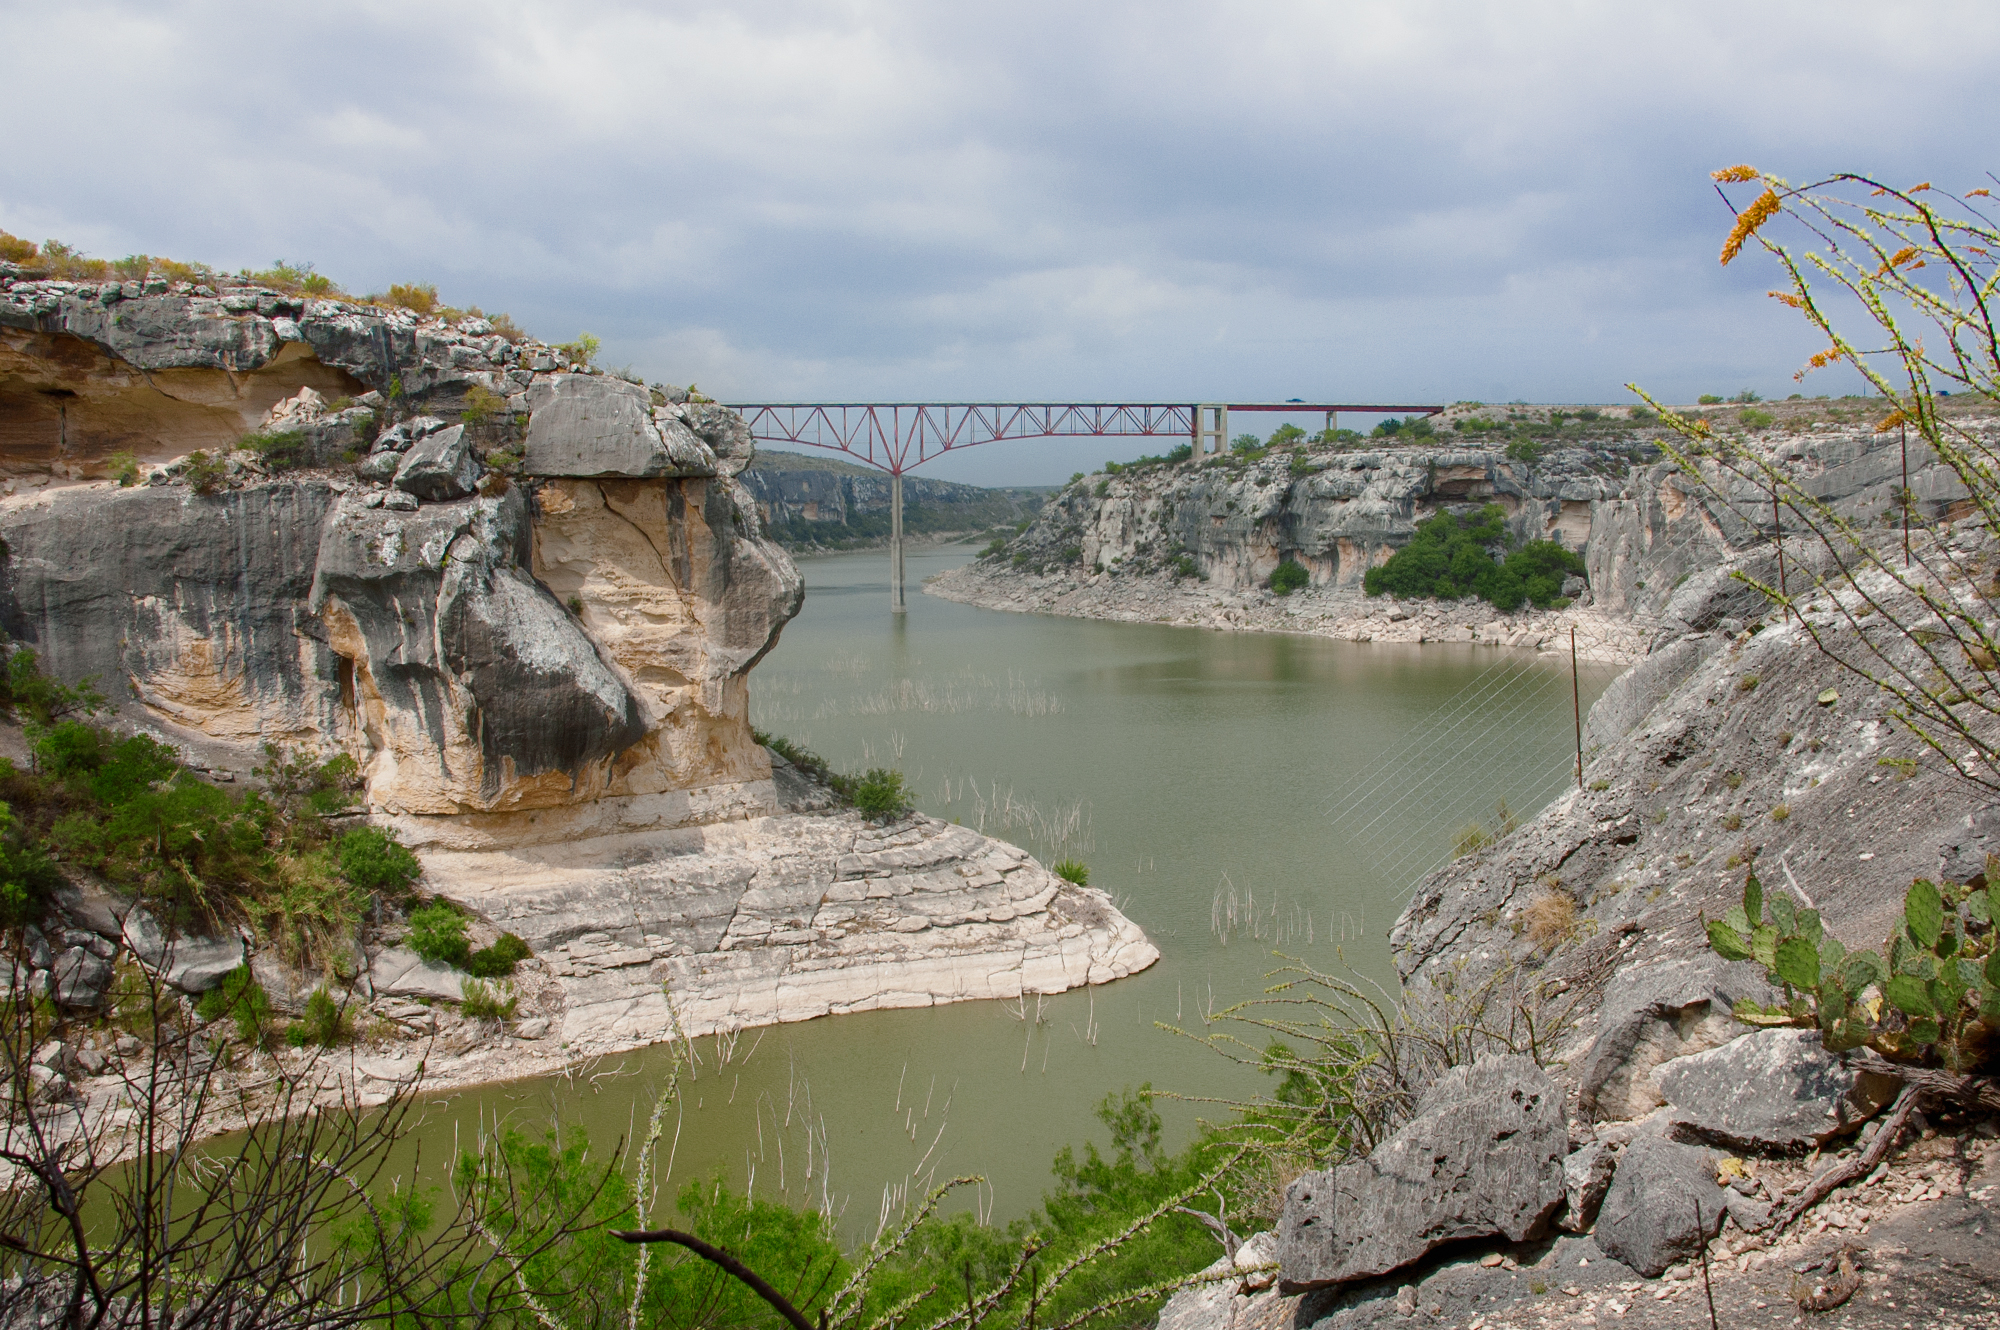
[[24, 688], [241, 997], [996, 547], [1185, 566], [1525, 450], [1072, 554], [498, 960], [1073, 871], [482, 1002], [303, 789], [1708, 399], [27, 876], [204, 473], [287, 450], [326, 1023], [1102, 489], [480, 405], [123, 468], [1288, 577], [418, 298], [437, 933], [881, 794], [1247, 443], [1751, 419], [1451, 559], [373, 860], [584, 350], [1301, 464]]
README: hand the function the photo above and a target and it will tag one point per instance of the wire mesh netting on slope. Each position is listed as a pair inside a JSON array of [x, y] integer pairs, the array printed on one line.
[[1500, 749]]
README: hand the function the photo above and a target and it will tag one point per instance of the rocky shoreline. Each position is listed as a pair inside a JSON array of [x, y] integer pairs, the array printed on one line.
[[1340, 613]]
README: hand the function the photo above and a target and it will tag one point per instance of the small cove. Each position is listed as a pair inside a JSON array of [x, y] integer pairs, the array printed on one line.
[[1193, 771]]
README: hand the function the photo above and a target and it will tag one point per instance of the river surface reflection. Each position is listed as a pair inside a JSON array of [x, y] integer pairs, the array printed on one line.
[[1193, 771]]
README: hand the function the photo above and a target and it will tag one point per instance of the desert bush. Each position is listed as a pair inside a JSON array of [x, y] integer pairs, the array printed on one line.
[[240, 998], [880, 794], [1550, 918], [488, 1002], [418, 298], [437, 933], [204, 474], [498, 960], [1450, 559], [1470, 838], [373, 860], [584, 350], [325, 1024], [294, 279], [1913, 269], [1289, 576], [1073, 871], [122, 467], [480, 405]]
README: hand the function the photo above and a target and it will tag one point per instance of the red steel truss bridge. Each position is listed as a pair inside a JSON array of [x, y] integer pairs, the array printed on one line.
[[896, 437]]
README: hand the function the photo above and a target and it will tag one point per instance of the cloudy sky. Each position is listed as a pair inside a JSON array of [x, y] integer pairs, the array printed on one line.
[[893, 200]]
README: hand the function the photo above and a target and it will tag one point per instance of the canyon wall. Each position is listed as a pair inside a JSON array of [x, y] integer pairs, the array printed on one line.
[[1658, 548], [523, 594]]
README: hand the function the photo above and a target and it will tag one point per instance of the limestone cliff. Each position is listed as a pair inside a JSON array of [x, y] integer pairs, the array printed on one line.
[[1195, 542], [523, 594]]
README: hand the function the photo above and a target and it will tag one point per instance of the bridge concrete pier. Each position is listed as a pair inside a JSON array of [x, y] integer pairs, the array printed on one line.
[[897, 603], [1211, 422]]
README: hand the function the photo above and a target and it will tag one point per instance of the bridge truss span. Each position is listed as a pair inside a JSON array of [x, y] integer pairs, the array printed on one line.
[[895, 437], [899, 436]]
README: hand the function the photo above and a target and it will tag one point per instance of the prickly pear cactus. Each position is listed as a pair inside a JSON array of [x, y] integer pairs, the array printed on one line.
[[1937, 995]]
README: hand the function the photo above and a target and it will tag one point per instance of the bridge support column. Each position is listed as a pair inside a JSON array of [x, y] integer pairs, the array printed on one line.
[[1211, 421], [897, 605]]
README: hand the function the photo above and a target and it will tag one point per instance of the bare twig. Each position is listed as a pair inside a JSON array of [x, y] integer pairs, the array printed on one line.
[[1838, 1175]]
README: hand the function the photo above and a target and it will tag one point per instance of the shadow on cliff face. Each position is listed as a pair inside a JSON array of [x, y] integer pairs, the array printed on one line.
[[377, 584]]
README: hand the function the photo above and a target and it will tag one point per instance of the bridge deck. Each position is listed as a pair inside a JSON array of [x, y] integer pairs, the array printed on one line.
[[898, 436]]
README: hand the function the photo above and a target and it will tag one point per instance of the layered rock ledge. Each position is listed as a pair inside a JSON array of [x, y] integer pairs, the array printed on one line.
[[786, 918]]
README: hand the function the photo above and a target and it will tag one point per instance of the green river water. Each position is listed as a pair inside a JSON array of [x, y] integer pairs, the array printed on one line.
[[1192, 770]]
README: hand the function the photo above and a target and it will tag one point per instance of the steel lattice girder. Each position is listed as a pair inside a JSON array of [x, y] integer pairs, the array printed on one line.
[[898, 436]]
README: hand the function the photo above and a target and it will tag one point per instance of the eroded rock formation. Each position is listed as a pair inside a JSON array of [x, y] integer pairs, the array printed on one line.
[[365, 576], [526, 598]]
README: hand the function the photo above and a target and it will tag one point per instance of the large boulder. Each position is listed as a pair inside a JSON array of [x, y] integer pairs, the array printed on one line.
[[1772, 1090], [1663, 1206], [1654, 1014], [439, 466], [1481, 1158], [1586, 1178], [81, 977], [401, 973], [190, 963], [1962, 854], [595, 425]]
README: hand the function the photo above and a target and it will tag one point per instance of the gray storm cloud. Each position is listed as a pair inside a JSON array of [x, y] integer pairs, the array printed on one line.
[[1031, 200]]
